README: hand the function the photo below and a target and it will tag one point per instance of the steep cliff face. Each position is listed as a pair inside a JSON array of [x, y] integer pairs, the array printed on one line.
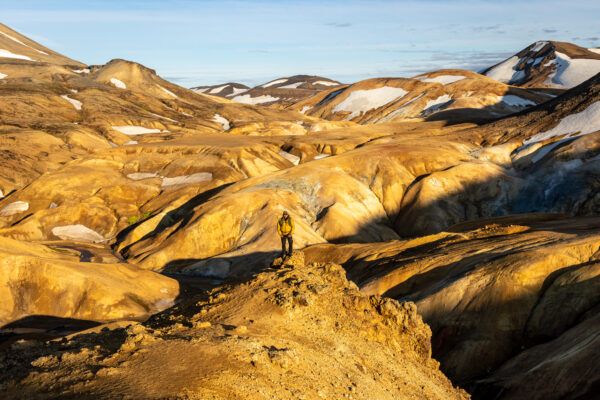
[[291, 331]]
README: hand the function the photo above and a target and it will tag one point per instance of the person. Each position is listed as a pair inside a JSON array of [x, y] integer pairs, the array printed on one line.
[[285, 228]]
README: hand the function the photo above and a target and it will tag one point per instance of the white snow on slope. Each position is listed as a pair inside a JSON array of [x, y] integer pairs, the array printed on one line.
[[138, 176], [538, 46], [8, 54], [221, 120], [326, 83], [321, 156], [21, 43], [163, 117], [187, 179], [290, 157], [217, 89], [76, 103], [14, 208], [247, 99], [1, 194], [2, 76], [505, 72], [444, 79], [292, 85], [202, 90], [136, 130], [595, 50], [570, 72], [237, 91], [168, 91], [82, 71], [360, 101], [305, 109], [130, 143], [118, 83], [78, 233], [400, 110], [515, 101], [582, 123], [274, 82], [435, 104]]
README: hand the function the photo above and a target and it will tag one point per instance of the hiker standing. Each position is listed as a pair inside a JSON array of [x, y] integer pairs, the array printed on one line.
[[285, 228]]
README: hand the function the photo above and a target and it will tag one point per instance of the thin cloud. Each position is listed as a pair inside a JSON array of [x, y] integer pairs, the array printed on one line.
[[549, 30], [339, 24]]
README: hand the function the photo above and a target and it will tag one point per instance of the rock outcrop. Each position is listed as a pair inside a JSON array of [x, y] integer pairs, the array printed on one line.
[[293, 332]]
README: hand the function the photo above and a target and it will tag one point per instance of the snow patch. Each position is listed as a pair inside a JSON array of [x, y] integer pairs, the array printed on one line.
[[595, 50], [163, 117], [326, 83], [290, 157], [320, 156], [80, 233], [187, 179], [436, 104], [138, 176], [292, 85], [274, 82], [8, 54], [197, 90], [221, 120], [360, 101], [247, 99], [14, 208], [136, 130], [444, 79], [237, 91], [570, 72], [163, 304], [2, 76], [118, 83], [538, 46], [217, 89], [1, 194], [305, 109], [515, 101], [130, 143], [582, 123], [168, 92], [76, 103], [82, 71], [21, 43], [505, 72]]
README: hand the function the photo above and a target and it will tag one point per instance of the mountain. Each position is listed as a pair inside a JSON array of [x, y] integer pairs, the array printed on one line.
[[225, 90], [280, 92], [450, 95], [548, 64], [448, 214]]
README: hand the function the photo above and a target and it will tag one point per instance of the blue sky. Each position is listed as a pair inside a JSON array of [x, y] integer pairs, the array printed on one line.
[[208, 42]]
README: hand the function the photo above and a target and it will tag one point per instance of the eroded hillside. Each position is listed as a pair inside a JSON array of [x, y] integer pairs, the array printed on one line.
[[123, 195]]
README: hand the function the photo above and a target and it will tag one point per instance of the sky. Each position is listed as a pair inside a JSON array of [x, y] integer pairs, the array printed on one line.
[[194, 42]]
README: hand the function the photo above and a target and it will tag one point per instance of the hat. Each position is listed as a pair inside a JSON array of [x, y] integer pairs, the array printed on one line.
[[285, 212]]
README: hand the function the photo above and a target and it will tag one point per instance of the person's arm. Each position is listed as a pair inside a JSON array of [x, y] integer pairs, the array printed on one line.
[[279, 228], [292, 225]]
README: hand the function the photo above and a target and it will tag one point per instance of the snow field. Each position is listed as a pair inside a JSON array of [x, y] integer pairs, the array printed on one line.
[[8, 54], [118, 83], [221, 120], [360, 101], [290, 157], [76, 103], [278, 81], [571, 72], [444, 79], [136, 130], [505, 72], [77, 232], [582, 123], [14, 208], [247, 99]]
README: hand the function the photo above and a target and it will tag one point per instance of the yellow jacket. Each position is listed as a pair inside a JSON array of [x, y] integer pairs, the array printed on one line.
[[285, 226]]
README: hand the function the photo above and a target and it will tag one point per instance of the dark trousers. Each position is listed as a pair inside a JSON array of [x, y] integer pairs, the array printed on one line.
[[290, 244]]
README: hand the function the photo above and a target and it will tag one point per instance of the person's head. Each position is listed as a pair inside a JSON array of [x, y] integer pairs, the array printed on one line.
[[285, 214]]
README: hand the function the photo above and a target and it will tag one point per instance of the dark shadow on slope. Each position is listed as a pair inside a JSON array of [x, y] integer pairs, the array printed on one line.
[[179, 216], [41, 328]]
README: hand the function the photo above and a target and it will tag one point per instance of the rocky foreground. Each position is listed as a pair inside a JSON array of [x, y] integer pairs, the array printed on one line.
[[293, 331]]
